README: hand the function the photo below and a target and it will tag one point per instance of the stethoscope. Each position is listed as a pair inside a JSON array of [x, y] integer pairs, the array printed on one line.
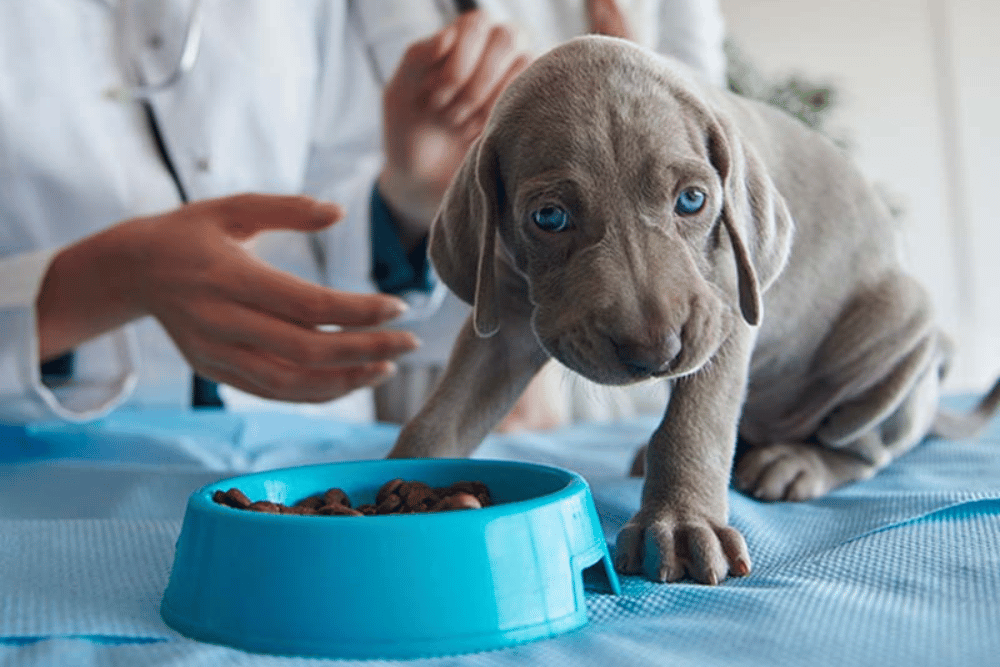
[[191, 46], [204, 392], [143, 91]]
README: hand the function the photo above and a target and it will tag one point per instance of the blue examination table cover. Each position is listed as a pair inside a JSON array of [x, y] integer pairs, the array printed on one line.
[[902, 569]]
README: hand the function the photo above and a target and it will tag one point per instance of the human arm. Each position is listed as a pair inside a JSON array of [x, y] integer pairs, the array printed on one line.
[[236, 319]]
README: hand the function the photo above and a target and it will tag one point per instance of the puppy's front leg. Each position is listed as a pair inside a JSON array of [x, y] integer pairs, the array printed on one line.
[[682, 525], [482, 381]]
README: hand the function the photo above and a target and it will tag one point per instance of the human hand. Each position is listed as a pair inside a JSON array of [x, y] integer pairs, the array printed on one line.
[[235, 318], [435, 106], [606, 18]]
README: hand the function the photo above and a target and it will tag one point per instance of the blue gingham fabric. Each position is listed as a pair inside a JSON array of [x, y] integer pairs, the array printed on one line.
[[903, 569]]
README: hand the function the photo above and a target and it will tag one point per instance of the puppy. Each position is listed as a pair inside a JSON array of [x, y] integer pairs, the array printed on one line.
[[635, 224]]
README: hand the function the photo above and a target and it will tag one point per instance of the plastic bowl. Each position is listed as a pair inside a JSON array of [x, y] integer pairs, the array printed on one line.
[[393, 586]]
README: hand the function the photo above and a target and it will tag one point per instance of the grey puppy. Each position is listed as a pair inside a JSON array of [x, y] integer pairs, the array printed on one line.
[[633, 223]]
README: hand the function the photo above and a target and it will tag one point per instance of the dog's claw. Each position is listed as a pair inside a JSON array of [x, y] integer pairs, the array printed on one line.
[[628, 556], [667, 550], [659, 558]]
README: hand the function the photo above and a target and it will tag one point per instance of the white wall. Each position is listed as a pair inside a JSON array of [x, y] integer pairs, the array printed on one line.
[[919, 97]]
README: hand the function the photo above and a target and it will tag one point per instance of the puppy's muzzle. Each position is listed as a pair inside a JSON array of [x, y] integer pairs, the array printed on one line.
[[643, 358]]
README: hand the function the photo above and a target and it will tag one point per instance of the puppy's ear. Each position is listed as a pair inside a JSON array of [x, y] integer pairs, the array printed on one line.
[[754, 214], [463, 235]]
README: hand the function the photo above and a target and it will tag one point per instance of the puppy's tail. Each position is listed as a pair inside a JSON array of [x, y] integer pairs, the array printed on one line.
[[963, 425]]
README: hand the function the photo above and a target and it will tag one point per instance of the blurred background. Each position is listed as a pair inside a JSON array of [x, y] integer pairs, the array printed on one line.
[[910, 87]]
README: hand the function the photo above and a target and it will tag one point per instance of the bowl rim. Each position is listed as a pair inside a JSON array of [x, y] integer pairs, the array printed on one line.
[[201, 498]]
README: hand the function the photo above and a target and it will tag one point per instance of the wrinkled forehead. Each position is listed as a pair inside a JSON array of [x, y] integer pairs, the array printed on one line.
[[596, 107]]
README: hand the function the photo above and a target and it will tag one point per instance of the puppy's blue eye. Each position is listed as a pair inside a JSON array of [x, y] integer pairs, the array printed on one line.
[[690, 201], [551, 219]]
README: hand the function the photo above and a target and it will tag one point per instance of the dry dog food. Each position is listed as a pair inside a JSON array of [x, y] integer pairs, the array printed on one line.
[[396, 496]]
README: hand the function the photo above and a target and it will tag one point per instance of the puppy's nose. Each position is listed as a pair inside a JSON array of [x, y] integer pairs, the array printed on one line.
[[651, 357]]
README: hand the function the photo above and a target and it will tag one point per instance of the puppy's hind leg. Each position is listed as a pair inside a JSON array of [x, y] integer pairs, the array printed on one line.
[[873, 395], [808, 469], [797, 470]]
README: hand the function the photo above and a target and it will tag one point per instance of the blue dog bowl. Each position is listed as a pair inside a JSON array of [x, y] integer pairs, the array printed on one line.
[[392, 586]]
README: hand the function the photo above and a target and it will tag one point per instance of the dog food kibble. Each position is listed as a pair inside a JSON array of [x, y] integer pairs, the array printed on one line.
[[265, 506], [396, 496], [233, 498]]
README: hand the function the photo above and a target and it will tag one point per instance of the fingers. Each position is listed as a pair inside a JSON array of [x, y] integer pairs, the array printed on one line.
[[480, 109], [260, 286], [272, 378], [458, 65], [248, 280], [242, 216], [304, 346], [606, 18], [434, 107], [494, 61], [277, 359], [241, 321], [423, 56], [482, 60]]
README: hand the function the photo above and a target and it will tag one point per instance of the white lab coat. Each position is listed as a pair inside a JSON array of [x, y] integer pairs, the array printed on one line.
[[690, 30], [281, 99]]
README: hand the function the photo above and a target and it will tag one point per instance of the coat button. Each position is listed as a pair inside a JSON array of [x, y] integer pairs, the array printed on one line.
[[203, 164]]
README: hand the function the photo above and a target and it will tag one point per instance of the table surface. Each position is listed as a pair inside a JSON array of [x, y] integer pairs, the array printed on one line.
[[903, 569]]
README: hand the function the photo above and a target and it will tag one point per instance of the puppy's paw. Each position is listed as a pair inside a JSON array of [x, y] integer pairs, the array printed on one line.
[[796, 471], [667, 549]]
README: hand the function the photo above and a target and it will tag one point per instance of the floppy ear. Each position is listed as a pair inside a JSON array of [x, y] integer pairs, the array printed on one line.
[[463, 236], [755, 216]]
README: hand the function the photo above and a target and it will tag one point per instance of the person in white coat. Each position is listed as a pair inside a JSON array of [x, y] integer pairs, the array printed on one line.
[[143, 145], [403, 36]]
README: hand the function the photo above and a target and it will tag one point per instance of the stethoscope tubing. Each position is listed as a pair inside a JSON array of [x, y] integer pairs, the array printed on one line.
[[144, 90]]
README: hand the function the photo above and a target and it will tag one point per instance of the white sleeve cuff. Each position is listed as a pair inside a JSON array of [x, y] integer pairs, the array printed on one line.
[[23, 395]]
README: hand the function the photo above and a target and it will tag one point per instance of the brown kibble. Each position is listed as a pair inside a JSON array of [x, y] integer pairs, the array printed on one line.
[[403, 490], [297, 509], [457, 501], [390, 487], [336, 497], [313, 502], [265, 506], [396, 496], [416, 496], [389, 504], [232, 498], [337, 510]]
